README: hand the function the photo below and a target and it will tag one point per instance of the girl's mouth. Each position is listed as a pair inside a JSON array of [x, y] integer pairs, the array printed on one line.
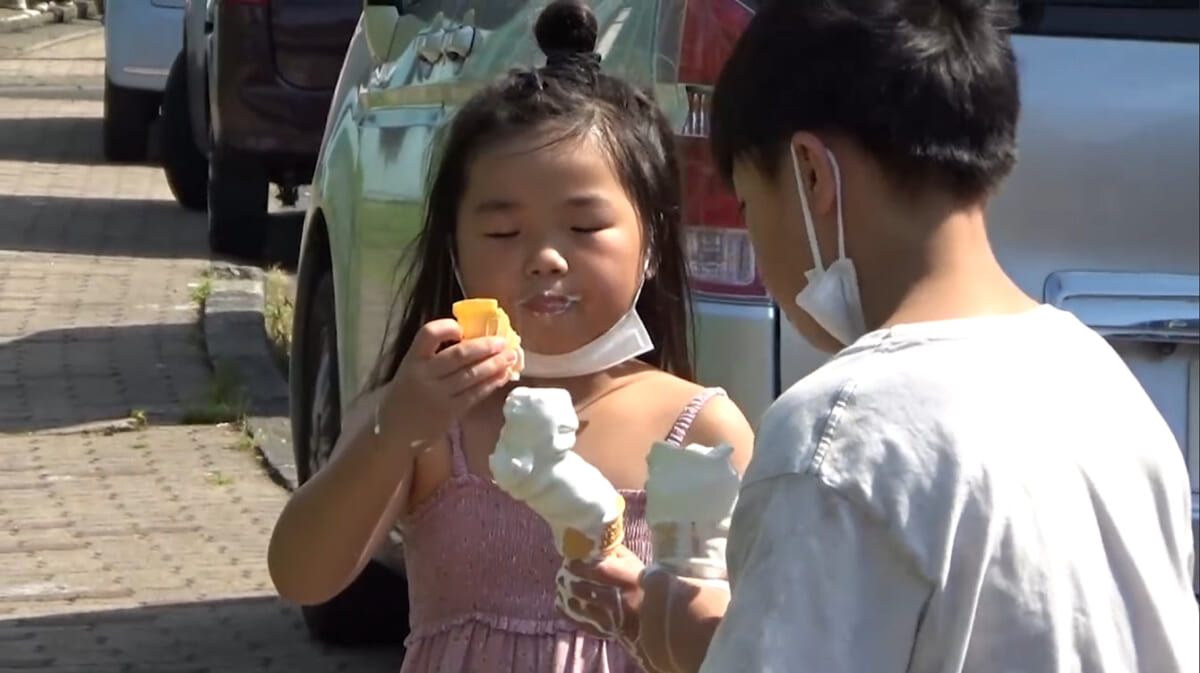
[[548, 303]]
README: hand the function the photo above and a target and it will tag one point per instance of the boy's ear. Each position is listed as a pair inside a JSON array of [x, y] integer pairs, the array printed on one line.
[[816, 171]]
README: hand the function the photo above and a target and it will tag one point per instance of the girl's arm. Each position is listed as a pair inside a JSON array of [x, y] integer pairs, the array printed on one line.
[[331, 525], [722, 422]]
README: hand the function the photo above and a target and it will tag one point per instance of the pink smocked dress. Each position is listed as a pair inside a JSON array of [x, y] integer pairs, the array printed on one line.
[[481, 569]]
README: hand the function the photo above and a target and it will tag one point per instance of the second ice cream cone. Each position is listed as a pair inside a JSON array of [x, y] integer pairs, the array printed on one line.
[[579, 546]]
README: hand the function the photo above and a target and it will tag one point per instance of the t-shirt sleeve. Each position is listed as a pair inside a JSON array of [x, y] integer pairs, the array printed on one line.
[[816, 586]]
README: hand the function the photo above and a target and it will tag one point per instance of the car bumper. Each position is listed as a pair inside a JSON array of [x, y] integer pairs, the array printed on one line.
[[141, 42], [253, 111], [736, 346]]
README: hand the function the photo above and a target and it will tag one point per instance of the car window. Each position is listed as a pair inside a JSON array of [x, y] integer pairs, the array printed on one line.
[[1158, 20], [491, 14], [425, 9]]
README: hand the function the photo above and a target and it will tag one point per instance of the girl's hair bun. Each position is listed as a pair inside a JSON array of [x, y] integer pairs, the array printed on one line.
[[566, 27]]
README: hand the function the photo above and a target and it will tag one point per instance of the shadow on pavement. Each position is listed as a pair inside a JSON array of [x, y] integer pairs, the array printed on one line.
[[127, 228], [73, 376], [235, 635], [67, 140], [50, 92]]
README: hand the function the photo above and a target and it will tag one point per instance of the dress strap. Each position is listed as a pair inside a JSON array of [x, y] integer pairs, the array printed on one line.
[[690, 412], [458, 457]]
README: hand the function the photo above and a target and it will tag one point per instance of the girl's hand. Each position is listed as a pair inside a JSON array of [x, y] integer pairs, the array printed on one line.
[[433, 388]]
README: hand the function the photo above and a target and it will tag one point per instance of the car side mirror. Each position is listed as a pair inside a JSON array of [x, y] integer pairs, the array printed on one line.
[[379, 22]]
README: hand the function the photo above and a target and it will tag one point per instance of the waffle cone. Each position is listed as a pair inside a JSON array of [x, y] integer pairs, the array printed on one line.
[[578, 546], [484, 317]]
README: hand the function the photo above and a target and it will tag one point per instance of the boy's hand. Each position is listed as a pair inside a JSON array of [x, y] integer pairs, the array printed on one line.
[[434, 386], [678, 618], [602, 597]]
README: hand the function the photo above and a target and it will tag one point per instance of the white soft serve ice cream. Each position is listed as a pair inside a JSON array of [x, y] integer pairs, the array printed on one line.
[[535, 463], [690, 496]]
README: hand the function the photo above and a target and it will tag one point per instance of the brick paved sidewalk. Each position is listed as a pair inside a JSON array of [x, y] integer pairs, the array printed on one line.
[[139, 550]]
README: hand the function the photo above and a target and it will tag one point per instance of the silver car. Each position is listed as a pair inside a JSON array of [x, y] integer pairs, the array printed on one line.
[[141, 39], [1100, 217]]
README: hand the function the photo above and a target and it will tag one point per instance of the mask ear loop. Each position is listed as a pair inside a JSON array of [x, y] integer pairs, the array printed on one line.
[[457, 274], [837, 185], [637, 296], [811, 229]]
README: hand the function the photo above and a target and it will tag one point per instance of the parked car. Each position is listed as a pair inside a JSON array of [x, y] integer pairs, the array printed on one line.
[[141, 38], [1099, 217], [184, 157], [246, 105]]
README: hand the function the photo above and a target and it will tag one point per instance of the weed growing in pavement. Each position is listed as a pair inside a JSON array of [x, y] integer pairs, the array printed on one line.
[[219, 479], [245, 441], [202, 291], [277, 313], [226, 402]]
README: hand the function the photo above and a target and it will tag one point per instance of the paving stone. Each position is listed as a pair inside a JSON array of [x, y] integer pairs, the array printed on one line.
[[120, 550]]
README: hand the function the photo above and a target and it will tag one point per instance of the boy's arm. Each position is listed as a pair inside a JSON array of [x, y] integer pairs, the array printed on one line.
[[816, 586]]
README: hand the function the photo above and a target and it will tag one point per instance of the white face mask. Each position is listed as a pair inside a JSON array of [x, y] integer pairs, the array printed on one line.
[[831, 296], [622, 342]]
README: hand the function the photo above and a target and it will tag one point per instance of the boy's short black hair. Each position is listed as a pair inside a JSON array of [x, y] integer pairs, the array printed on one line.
[[927, 87]]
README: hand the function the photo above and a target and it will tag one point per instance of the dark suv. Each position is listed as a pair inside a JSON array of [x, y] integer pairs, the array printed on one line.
[[245, 106]]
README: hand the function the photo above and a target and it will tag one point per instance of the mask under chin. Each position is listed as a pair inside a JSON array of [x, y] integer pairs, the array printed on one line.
[[624, 341]]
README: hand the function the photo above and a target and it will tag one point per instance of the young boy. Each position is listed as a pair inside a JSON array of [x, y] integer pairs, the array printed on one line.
[[975, 482]]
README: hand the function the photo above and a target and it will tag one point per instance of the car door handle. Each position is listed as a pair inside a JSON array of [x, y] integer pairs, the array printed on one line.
[[429, 47], [1129, 306]]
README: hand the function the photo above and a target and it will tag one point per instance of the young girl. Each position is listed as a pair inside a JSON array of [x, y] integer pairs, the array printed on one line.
[[557, 194]]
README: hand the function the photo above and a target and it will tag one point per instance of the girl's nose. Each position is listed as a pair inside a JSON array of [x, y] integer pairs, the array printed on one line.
[[546, 261]]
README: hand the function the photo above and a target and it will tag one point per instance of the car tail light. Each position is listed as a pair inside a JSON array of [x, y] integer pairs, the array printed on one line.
[[720, 258]]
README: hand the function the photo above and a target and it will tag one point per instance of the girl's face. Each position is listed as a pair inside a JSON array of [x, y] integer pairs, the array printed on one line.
[[549, 231]]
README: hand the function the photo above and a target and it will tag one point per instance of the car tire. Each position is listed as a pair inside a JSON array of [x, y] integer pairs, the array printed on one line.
[[373, 609], [128, 114], [237, 206], [185, 167]]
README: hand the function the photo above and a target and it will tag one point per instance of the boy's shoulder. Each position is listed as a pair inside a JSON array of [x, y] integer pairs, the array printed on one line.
[[899, 395]]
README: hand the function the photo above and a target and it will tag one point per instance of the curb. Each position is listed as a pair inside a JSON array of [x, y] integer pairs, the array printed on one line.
[[54, 13], [235, 338], [30, 20]]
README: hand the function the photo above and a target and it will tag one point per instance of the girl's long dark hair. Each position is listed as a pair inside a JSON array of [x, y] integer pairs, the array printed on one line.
[[568, 98]]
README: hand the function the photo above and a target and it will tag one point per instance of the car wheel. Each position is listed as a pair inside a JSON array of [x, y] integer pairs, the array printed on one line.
[[237, 206], [185, 167], [128, 114], [373, 610]]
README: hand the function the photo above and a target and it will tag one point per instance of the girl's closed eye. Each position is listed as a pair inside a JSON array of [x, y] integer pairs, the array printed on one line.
[[506, 233], [591, 228]]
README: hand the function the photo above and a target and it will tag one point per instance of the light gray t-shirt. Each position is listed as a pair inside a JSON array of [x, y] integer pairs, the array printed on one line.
[[983, 495]]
